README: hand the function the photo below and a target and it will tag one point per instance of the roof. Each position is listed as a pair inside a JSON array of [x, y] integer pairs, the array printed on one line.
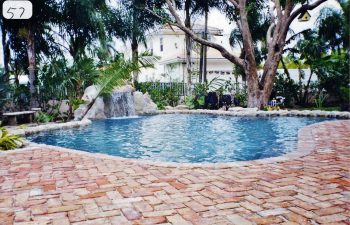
[[301, 15], [197, 28]]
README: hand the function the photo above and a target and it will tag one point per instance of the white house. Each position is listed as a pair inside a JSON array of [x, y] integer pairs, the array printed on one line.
[[169, 44]]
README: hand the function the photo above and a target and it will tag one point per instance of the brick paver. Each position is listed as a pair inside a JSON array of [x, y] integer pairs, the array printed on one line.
[[44, 185]]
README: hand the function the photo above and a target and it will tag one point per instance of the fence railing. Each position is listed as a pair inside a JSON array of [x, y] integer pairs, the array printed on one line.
[[182, 87]]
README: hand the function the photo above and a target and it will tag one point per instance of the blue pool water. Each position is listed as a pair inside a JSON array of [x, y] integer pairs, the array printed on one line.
[[184, 138]]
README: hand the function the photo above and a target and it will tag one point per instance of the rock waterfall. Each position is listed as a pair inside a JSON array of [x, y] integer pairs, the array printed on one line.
[[123, 102], [119, 104]]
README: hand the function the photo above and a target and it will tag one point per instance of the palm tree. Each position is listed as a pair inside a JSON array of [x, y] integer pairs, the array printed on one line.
[[32, 31], [81, 23], [137, 23]]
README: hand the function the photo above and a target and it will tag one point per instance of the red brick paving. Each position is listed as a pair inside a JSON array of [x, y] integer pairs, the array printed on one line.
[[51, 186]]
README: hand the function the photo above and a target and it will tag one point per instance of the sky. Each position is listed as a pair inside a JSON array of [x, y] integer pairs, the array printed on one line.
[[217, 19]]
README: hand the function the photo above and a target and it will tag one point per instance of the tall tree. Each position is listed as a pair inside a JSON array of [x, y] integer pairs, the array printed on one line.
[[31, 31], [137, 23], [281, 16], [188, 46], [81, 23], [203, 7]]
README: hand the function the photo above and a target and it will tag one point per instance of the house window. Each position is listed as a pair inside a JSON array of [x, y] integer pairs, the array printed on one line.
[[161, 44]]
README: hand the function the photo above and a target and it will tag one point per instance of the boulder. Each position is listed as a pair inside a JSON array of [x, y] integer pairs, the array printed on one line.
[[61, 106], [182, 107], [97, 109], [235, 109], [90, 93], [168, 107], [143, 103], [125, 88]]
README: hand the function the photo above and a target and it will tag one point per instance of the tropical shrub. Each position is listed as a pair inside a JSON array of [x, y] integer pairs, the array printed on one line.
[[320, 99], [161, 96], [3, 94], [75, 103], [8, 141], [201, 90], [195, 101], [43, 117], [271, 108], [288, 88], [242, 98]]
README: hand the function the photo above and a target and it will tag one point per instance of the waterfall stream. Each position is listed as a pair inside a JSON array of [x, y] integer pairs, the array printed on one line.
[[120, 104]]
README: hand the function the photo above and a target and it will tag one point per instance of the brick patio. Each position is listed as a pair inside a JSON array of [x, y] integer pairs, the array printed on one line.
[[43, 185]]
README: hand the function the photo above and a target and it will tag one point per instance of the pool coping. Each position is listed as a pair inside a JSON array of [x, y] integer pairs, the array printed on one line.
[[252, 112], [305, 146]]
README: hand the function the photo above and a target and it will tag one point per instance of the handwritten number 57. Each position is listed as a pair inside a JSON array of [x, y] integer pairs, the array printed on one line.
[[12, 10]]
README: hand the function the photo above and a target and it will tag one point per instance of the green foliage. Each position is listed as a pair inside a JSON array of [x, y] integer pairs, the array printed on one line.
[[20, 96], [161, 96], [3, 94], [334, 74], [60, 81], [75, 103], [43, 117], [271, 108], [320, 99], [7, 141], [288, 88], [120, 72], [82, 24], [242, 97], [345, 94], [190, 102], [195, 101], [259, 23]]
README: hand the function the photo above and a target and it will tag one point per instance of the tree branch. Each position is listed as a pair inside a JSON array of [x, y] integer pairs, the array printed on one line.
[[278, 8], [234, 2], [301, 10], [272, 25], [246, 34], [234, 59], [294, 36]]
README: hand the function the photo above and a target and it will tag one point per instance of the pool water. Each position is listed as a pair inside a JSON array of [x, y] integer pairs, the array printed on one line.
[[184, 138]]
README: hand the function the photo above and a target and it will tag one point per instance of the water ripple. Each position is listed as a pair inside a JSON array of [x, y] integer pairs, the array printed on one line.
[[184, 138]]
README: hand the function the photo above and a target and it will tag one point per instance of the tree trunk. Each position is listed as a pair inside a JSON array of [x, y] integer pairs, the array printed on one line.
[[255, 95], [135, 57], [188, 47], [6, 53], [31, 68], [78, 89], [306, 89], [286, 71], [205, 47], [201, 64]]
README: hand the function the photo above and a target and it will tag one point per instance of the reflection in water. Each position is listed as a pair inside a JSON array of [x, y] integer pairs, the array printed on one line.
[[184, 138]]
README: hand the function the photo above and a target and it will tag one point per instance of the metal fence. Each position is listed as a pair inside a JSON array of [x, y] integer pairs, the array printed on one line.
[[180, 86]]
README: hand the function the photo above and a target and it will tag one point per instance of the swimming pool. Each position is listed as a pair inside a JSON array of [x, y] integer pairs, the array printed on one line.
[[184, 138]]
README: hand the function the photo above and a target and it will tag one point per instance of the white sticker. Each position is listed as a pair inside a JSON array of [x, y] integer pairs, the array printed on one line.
[[13, 9]]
